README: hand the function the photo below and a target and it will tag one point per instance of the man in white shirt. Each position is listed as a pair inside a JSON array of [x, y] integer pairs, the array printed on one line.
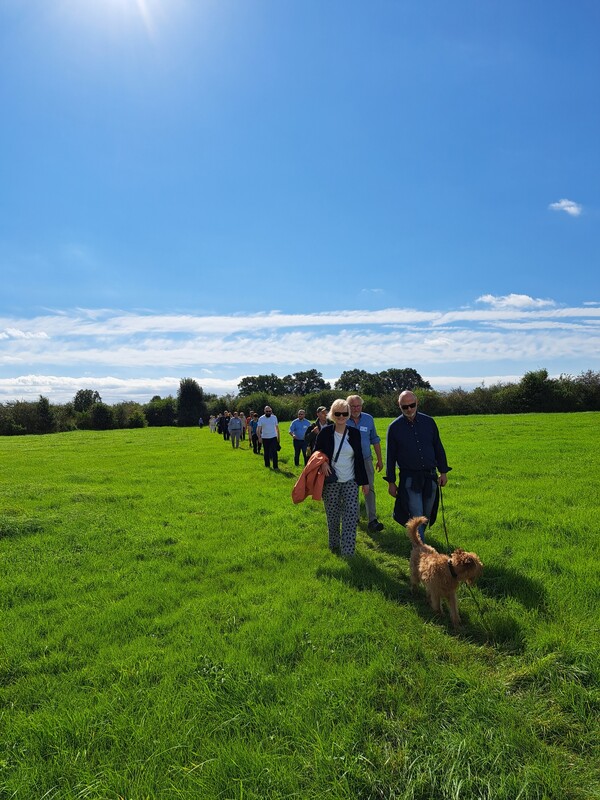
[[268, 434]]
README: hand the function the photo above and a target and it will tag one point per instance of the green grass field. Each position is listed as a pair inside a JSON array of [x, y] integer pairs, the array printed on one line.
[[174, 627]]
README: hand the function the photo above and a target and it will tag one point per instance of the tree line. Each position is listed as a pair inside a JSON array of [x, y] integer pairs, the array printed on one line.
[[535, 392]]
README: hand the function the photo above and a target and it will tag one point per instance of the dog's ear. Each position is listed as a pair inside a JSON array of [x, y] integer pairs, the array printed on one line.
[[458, 552], [468, 561]]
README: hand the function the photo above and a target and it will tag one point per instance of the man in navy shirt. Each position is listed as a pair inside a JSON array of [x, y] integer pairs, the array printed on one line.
[[414, 445]]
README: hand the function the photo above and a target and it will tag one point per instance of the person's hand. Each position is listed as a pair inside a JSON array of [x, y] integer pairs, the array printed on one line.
[[392, 489], [365, 489], [326, 469], [379, 465], [443, 479]]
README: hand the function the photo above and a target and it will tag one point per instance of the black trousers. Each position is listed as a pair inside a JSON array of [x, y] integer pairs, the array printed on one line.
[[270, 451], [300, 447]]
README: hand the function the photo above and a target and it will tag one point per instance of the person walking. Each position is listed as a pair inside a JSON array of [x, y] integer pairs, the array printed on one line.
[[365, 424], [342, 446], [297, 431], [235, 429], [314, 430], [413, 444], [254, 434], [268, 436]]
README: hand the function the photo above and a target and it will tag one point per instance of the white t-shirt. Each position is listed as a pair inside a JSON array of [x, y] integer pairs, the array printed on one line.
[[269, 426], [344, 466]]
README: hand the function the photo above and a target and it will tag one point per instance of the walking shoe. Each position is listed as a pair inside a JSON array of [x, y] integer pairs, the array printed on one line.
[[375, 525]]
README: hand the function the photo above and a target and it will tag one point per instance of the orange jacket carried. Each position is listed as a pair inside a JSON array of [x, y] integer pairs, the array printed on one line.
[[311, 480]]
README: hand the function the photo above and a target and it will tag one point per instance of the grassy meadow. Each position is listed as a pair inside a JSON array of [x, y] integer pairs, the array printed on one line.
[[174, 627]]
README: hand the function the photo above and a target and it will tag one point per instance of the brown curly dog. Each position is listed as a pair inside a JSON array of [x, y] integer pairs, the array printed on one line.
[[440, 574]]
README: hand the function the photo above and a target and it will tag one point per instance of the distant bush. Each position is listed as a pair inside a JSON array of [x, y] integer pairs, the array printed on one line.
[[161, 412], [137, 420], [102, 417]]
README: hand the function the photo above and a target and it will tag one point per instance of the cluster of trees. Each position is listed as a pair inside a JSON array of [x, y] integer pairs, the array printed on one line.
[[375, 384], [87, 412], [534, 392]]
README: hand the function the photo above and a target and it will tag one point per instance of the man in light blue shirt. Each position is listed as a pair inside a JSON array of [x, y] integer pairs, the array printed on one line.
[[298, 430], [369, 438]]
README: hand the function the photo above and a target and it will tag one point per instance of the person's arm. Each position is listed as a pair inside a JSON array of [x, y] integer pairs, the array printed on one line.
[[259, 432], [379, 464], [440, 456], [390, 467]]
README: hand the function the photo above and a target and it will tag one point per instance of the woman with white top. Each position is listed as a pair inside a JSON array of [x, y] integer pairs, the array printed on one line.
[[342, 446]]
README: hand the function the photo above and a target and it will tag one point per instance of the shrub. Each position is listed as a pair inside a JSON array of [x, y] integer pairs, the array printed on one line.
[[101, 417], [160, 412]]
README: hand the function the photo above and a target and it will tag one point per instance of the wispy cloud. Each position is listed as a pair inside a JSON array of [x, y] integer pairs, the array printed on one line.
[[514, 301], [128, 354], [570, 207]]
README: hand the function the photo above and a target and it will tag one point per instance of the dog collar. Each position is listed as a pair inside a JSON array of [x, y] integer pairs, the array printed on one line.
[[451, 568]]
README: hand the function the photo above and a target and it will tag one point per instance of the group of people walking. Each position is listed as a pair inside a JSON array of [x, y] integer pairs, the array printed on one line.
[[337, 451], [342, 456]]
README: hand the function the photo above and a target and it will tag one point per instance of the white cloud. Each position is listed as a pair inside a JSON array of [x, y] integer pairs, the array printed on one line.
[[133, 355], [16, 333], [570, 207], [514, 301]]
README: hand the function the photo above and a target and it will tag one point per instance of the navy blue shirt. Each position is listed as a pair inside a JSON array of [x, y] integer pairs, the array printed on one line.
[[414, 446]]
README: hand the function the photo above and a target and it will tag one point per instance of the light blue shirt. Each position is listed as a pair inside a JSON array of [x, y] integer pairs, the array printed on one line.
[[368, 435], [299, 427]]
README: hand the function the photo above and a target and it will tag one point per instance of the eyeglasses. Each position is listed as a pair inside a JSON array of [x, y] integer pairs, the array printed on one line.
[[340, 413], [407, 406]]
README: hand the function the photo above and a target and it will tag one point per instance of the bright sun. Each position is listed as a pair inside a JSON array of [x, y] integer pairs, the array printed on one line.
[[113, 12]]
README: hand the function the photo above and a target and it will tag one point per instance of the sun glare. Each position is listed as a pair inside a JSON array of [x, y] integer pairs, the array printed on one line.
[[114, 13]]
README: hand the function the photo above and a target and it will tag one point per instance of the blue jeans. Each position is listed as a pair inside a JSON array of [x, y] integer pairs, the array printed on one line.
[[417, 506]]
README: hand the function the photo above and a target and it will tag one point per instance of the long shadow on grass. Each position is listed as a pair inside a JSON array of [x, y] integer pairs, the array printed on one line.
[[497, 581], [499, 629], [363, 574]]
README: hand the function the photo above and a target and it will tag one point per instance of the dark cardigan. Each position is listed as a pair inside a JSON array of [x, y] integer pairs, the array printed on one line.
[[326, 442]]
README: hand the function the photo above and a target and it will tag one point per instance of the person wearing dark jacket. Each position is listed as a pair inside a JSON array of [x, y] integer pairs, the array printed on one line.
[[342, 446], [315, 429], [414, 445]]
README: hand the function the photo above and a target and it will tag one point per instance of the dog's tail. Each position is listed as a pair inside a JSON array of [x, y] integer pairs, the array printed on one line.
[[412, 528]]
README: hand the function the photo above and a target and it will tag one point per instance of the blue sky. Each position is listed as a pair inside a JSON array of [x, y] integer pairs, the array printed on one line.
[[214, 189]]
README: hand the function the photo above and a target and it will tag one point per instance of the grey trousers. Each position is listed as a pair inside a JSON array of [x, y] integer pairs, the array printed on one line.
[[370, 498]]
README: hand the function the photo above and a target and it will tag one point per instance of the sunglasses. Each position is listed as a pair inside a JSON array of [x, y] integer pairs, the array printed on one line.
[[340, 413], [407, 406]]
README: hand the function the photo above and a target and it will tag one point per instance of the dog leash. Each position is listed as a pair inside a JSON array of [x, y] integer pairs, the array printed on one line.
[[471, 592], [444, 519]]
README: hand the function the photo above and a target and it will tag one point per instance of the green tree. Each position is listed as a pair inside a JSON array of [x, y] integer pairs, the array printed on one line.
[[190, 403], [397, 380], [360, 382], [160, 413], [535, 391], [588, 387], [46, 422], [101, 417], [85, 399], [303, 383], [259, 384]]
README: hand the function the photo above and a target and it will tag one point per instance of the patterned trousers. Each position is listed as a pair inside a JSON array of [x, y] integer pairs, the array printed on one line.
[[341, 509]]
